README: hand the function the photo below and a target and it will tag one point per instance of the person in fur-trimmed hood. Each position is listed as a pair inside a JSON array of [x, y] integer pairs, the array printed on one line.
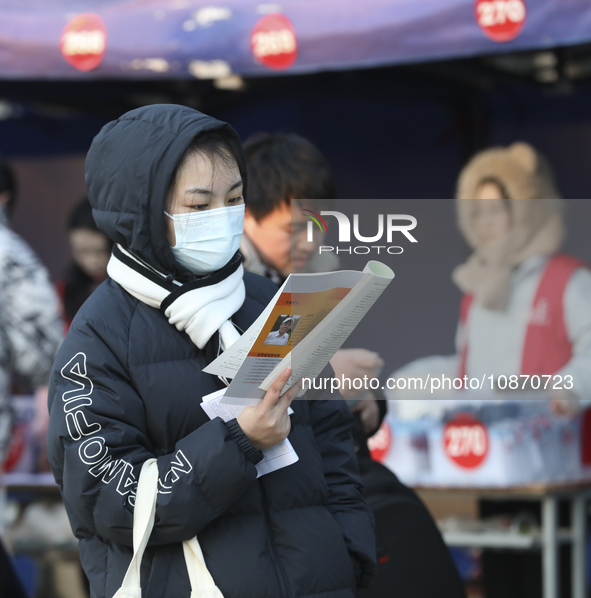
[[526, 307], [519, 224]]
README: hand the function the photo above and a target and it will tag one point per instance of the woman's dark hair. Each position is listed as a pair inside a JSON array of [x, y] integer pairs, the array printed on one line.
[[285, 166], [218, 143], [77, 285], [81, 217]]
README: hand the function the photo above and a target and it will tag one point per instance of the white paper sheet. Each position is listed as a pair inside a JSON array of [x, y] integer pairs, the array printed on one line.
[[229, 362]]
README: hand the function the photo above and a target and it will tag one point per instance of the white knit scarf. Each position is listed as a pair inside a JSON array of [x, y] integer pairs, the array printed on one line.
[[200, 312]]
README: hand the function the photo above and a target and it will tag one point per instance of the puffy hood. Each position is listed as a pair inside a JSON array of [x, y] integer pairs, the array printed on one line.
[[129, 168], [537, 222], [536, 208], [519, 168]]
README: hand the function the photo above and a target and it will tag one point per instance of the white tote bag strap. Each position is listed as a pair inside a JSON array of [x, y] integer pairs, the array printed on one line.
[[202, 584], [143, 522]]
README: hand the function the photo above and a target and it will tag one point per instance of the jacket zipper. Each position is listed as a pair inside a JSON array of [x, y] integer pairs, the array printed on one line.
[[266, 518]]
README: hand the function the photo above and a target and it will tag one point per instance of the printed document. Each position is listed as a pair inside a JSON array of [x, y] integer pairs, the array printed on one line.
[[307, 322]]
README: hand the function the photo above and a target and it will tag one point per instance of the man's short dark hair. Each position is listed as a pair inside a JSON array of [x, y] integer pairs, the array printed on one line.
[[8, 183], [282, 167]]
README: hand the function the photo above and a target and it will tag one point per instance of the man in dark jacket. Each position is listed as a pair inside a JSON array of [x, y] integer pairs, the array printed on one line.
[[413, 559], [127, 386], [283, 167]]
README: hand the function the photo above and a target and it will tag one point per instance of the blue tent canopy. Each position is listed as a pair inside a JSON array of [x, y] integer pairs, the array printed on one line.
[[191, 38]]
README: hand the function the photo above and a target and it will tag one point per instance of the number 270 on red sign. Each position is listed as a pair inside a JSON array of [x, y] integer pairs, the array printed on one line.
[[501, 20]]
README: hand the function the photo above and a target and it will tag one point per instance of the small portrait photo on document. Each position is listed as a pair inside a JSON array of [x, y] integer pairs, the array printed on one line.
[[282, 330]]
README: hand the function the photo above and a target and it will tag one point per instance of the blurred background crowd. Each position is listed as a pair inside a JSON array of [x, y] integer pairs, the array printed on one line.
[[407, 104]]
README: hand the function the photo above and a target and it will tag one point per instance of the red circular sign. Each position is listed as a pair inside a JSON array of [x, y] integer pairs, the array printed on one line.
[[379, 444], [465, 441], [83, 41], [273, 41], [501, 20]]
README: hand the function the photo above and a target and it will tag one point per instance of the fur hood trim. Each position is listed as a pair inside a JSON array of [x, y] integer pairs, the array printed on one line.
[[520, 169], [537, 220]]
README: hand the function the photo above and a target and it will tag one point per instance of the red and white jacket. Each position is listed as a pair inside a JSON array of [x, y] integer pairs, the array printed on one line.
[[546, 329], [539, 335]]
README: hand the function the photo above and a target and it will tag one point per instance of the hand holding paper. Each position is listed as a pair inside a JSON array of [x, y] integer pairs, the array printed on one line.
[[275, 457], [268, 423]]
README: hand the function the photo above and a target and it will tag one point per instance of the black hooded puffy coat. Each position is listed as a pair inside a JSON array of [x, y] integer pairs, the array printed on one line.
[[126, 386]]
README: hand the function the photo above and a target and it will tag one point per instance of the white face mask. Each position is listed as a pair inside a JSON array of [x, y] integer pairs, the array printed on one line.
[[206, 241]]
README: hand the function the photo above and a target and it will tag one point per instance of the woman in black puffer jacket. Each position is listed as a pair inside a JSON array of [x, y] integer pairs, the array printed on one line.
[[128, 382]]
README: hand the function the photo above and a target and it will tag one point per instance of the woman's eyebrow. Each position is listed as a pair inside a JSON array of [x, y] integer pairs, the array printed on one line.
[[202, 191], [199, 190]]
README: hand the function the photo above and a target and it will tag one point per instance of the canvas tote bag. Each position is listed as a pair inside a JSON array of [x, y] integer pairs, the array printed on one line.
[[202, 584]]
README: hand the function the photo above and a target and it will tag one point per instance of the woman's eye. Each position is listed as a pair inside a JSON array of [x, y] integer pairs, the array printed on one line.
[[200, 206], [235, 199]]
